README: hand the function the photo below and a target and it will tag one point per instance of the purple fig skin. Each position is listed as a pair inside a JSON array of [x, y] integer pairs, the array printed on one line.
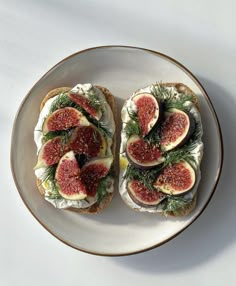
[[192, 126], [161, 112]]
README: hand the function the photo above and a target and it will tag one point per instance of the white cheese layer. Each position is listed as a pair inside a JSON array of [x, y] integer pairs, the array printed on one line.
[[107, 121], [197, 152]]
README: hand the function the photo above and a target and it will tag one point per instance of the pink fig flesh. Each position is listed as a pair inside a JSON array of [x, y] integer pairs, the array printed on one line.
[[51, 152], [148, 111], [143, 154], [68, 178], [63, 119], [88, 140]]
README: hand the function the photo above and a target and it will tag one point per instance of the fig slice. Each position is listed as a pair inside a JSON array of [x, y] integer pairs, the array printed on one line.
[[68, 178], [143, 196], [63, 119], [89, 141], [148, 111], [93, 172], [85, 103], [176, 179], [51, 152], [176, 129], [143, 154]]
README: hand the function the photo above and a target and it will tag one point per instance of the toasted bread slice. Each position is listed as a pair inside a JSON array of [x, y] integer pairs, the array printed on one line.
[[98, 206], [181, 88]]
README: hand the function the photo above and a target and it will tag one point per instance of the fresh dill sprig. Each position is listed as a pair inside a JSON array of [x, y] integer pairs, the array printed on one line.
[[183, 153], [169, 98], [63, 101], [175, 204], [65, 137], [132, 128], [54, 194], [49, 177], [133, 115], [64, 134], [49, 173], [147, 177], [50, 135], [179, 103], [94, 100], [102, 188], [154, 136], [161, 92]]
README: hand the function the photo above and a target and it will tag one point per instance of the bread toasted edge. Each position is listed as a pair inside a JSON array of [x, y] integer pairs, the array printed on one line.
[[98, 206], [181, 88]]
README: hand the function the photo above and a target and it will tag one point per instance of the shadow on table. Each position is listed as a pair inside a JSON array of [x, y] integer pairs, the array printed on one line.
[[215, 229]]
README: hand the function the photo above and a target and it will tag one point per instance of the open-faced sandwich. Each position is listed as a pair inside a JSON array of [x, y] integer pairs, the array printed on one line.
[[75, 148], [161, 149]]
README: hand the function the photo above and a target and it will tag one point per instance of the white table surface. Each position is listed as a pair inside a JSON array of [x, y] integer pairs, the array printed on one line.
[[35, 35]]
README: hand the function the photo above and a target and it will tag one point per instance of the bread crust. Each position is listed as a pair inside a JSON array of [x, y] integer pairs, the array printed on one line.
[[98, 206], [192, 204]]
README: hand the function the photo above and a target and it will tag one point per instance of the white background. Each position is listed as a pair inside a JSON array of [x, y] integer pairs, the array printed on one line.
[[35, 35]]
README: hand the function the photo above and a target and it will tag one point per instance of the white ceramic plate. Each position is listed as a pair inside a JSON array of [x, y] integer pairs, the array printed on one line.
[[117, 230]]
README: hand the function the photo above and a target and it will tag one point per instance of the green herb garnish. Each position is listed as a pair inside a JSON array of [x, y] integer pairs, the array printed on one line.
[[147, 177], [133, 115], [101, 190], [161, 93], [64, 134], [94, 100], [63, 101], [181, 154], [132, 128], [169, 98], [175, 205], [179, 103], [154, 136], [49, 177], [49, 173]]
